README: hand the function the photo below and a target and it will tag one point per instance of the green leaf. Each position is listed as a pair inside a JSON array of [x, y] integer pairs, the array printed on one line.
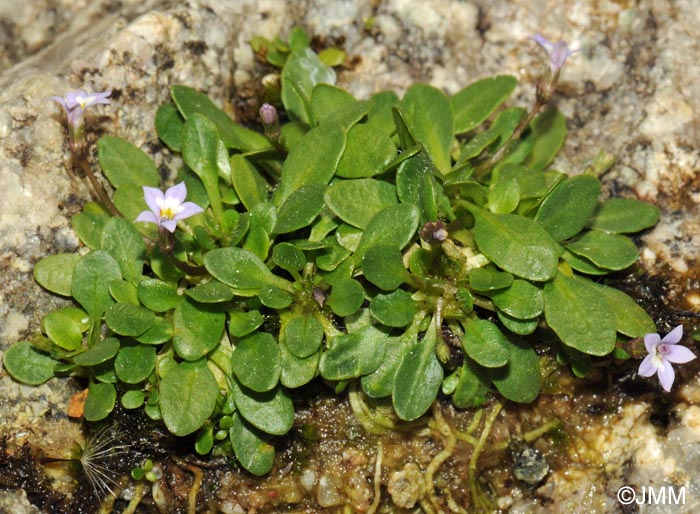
[[133, 399], [418, 378], [271, 411], [565, 211], [169, 125], [134, 363], [429, 115], [288, 257], [130, 203], [159, 333], [606, 250], [630, 318], [313, 160], [472, 386], [125, 164], [210, 292], [580, 315], [504, 197], [415, 185], [256, 362], [380, 383], [548, 132], [243, 323], [498, 133], [65, 327], [516, 244], [303, 335], [300, 209], [393, 226], [100, 401], [367, 152], [250, 187], [129, 320], [383, 266], [55, 272], [353, 355], [520, 380], [346, 296], [124, 292], [302, 71], [241, 269], [521, 327], [191, 102], [488, 279], [485, 343], [198, 329], [327, 99], [88, 226], [98, 354], [27, 364], [395, 309], [624, 216], [297, 371], [521, 300], [380, 111], [157, 295], [298, 38], [583, 265], [92, 276], [187, 397], [123, 242], [251, 450], [357, 201], [473, 104], [332, 56]]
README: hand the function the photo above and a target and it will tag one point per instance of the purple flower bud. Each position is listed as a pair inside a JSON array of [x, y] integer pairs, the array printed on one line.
[[434, 232], [268, 114]]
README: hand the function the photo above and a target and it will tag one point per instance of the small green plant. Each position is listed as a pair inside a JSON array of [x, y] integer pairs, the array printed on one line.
[[407, 247]]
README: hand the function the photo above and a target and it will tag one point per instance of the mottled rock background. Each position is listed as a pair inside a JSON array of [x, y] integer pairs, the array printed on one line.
[[632, 89]]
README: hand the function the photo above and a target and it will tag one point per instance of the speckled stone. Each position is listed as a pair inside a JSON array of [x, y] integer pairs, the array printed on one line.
[[632, 90]]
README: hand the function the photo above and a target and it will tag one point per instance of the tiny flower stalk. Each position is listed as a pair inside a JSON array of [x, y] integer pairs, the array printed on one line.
[[165, 210], [75, 103], [271, 124], [558, 53]]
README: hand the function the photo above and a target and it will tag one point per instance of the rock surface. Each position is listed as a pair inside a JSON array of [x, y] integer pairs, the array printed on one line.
[[632, 90]]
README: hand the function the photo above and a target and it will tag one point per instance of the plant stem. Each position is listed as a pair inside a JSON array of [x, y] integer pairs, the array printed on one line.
[[81, 160], [166, 242]]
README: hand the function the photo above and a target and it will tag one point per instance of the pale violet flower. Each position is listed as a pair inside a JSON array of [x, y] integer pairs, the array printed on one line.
[[558, 52], [76, 102], [169, 208], [663, 352]]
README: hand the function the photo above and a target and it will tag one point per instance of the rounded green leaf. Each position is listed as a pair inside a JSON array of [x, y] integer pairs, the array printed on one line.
[[197, 329], [521, 327], [520, 380], [485, 343], [92, 276], [157, 295], [288, 257], [129, 320], [247, 181], [624, 216], [473, 104], [27, 364], [357, 201], [124, 292], [134, 363], [606, 250], [380, 383], [256, 362], [243, 323], [100, 401], [504, 197], [346, 296], [565, 211], [303, 335], [472, 386], [210, 292], [580, 315], [101, 352], [251, 450], [415, 184], [300, 209], [187, 397], [297, 371], [353, 355], [159, 333], [125, 164], [55, 272], [302, 71], [393, 226], [122, 241], [88, 226], [274, 297], [133, 399], [547, 135], [240, 269], [169, 126], [65, 327], [631, 319], [383, 266], [271, 411], [395, 309], [488, 279], [367, 152], [516, 244], [521, 300]]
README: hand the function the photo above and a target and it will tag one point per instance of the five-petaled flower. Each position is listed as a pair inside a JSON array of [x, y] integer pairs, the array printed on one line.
[[169, 208], [76, 102], [663, 352], [558, 52]]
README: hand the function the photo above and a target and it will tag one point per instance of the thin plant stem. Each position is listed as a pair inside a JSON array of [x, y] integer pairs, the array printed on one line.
[[97, 188]]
